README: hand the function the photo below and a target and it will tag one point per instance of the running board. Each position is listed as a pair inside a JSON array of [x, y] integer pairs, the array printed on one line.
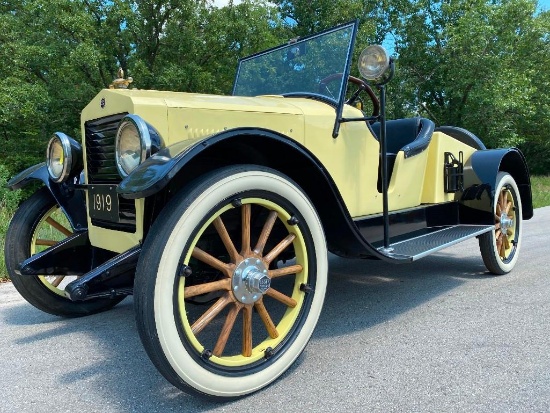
[[439, 238]]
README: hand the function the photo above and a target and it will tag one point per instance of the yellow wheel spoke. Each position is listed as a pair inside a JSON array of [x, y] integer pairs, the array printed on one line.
[[279, 272], [502, 200], [212, 261], [506, 243], [247, 331], [266, 319], [58, 226], [211, 313], [195, 290], [48, 242], [508, 206], [226, 239], [280, 247], [226, 330], [288, 301], [58, 280], [266, 230], [245, 222]]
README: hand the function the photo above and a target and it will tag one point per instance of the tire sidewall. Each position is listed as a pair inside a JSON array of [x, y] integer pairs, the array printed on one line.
[[505, 179], [185, 221]]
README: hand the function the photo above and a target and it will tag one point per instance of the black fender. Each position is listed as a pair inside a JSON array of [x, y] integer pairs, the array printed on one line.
[[480, 174], [70, 200], [172, 167]]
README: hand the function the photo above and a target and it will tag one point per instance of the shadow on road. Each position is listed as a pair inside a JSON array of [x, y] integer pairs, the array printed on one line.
[[360, 295]]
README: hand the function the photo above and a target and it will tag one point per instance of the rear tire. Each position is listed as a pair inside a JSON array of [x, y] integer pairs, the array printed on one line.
[[37, 224], [243, 315], [500, 247]]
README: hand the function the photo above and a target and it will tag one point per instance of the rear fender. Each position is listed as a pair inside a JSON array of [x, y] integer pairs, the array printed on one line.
[[480, 175], [71, 201]]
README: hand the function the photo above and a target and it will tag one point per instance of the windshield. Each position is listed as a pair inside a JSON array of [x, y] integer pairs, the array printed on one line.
[[298, 68]]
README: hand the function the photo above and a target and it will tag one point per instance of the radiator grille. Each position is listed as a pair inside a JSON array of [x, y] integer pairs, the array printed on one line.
[[101, 167], [100, 149]]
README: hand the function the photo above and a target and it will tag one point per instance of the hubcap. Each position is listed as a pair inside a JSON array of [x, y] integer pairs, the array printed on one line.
[[250, 281], [505, 222]]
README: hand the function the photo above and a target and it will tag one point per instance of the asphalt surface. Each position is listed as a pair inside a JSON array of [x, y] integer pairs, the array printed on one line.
[[438, 335]]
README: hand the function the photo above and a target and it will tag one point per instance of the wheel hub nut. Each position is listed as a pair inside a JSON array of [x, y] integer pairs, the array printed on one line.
[[505, 222], [250, 281]]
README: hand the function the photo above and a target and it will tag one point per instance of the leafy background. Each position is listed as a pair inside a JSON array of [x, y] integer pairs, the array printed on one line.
[[479, 64]]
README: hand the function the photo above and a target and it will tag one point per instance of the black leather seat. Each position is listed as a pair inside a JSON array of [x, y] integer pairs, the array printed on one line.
[[411, 135]]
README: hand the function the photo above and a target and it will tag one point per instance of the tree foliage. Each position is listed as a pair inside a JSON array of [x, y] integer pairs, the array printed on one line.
[[478, 64]]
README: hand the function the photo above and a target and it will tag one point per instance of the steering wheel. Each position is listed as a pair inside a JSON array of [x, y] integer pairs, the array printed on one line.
[[362, 87]]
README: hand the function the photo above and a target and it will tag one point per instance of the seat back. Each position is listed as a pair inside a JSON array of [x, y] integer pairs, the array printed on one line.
[[411, 135]]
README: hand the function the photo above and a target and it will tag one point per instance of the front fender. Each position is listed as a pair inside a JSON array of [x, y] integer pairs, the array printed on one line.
[[156, 172], [36, 172], [481, 171], [71, 201]]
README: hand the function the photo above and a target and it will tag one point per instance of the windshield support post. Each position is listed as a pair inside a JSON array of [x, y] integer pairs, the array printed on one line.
[[384, 166], [340, 107]]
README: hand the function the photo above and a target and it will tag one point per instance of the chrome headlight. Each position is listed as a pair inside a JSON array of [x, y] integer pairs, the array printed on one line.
[[373, 62], [63, 157], [136, 140]]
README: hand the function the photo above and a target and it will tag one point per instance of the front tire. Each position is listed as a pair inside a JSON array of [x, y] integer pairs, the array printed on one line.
[[225, 321], [500, 247], [38, 224]]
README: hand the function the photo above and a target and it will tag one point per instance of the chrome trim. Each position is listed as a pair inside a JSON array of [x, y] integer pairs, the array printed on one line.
[[67, 156], [144, 139]]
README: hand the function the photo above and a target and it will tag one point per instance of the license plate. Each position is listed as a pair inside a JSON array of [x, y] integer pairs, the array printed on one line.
[[103, 202]]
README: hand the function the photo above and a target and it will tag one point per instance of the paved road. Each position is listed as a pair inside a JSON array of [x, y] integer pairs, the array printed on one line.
[[438, 335]]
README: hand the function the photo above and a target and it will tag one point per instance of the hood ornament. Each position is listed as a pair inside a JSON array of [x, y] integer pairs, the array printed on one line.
[[120, 82]]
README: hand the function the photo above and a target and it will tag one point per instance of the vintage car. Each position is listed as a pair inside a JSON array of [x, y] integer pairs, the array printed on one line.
[[218, 212]]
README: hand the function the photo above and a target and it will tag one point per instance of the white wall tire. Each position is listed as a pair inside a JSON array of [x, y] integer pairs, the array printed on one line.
[[187, 345], [500, 247]]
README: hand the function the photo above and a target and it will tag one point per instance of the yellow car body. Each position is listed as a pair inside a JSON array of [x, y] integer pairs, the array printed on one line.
[[351, 159]]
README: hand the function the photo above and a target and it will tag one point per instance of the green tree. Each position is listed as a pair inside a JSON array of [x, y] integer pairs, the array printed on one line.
[[475, 64], [57, 54]]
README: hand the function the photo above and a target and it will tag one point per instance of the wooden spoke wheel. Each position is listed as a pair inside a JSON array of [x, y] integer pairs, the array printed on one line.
[[231, 282], [38, 224], [500, 247], [52, 228]]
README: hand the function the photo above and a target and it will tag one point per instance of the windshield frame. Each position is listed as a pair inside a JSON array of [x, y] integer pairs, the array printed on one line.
[[337, 103]]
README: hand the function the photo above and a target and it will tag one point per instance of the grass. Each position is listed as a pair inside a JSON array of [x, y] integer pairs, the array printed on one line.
[[5, 217], [540, 187]]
